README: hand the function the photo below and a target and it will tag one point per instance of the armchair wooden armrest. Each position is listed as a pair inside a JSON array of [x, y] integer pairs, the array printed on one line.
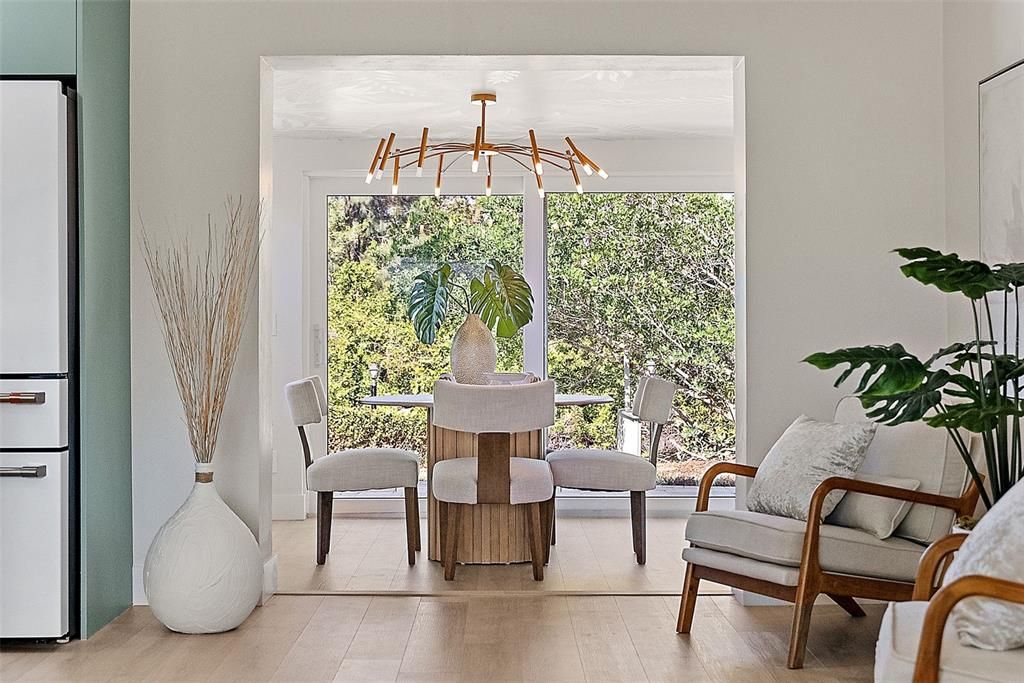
[[814, 517], [707, 480], [934, 560], [929, 647]]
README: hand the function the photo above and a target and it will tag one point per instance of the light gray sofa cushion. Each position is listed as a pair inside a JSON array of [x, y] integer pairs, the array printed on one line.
[[363, 469], [808, 453], [601, 470], [913, 451], [454, 481], [779, 540], [994, 548], [896, 652], [877, 515]]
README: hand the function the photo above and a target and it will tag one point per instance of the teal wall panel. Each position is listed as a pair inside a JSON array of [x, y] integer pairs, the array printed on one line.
[[38, 37], [104, 269]]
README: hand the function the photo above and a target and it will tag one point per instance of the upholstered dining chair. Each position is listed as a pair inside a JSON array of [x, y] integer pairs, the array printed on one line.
[[492, 414], [796, 561], [355, 469], [604, 470]]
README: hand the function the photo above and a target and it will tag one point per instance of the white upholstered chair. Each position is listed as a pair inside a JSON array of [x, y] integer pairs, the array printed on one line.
[[796, 561], [917, 643], [605, 470], [493, 414], [356, 469]]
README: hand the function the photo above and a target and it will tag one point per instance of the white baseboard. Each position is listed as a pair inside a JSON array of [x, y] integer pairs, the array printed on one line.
[[269, 578], [138, 589], [288, 507]]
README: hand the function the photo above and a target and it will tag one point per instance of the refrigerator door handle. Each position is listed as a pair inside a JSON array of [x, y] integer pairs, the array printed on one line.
[[34, 397], [26, 471]]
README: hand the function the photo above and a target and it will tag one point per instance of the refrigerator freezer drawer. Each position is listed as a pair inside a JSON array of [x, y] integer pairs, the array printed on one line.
[[33, 228], [33, 413], [34, 545]]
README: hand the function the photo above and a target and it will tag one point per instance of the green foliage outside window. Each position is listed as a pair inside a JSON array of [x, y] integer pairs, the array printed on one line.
[[631, 277]]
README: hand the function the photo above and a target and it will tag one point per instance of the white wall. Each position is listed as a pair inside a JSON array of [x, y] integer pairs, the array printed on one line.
[[697, 164], [979, 39], [844, 161]]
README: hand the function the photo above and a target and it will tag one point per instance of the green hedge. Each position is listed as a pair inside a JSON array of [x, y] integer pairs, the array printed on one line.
[[362, 427]]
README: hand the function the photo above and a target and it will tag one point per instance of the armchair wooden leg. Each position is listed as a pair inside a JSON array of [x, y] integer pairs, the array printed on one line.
[[638, 513], [848, 604], [687, 601], [451, 541], [324, 508], [805, 596], [412, 522], [536, 536]]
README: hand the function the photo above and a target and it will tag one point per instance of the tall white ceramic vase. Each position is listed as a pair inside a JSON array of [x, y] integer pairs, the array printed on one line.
[[203, 572], [474, 351]]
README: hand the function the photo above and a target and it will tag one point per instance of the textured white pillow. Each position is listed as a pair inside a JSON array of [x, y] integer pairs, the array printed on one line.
[[994, 548], [876, 515], [808, 453]]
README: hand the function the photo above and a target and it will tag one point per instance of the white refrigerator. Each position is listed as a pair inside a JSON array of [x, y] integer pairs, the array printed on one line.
[[38, 388]]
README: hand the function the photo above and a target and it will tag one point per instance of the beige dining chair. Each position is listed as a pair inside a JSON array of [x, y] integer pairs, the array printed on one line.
[[354, 469], [593, 469], [493, 414]]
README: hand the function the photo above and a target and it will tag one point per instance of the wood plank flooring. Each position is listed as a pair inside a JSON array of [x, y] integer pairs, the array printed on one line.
[[592, 556], [465, 638]]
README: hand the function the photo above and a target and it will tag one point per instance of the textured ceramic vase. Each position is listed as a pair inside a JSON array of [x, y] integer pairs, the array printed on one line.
[[474, 352], [203, 571]]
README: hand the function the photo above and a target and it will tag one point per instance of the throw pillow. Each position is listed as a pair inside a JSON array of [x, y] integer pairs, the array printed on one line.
[[808, 453], [876, 515], [994, 548]]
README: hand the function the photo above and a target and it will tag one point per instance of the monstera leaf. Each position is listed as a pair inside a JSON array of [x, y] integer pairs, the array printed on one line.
[[950, 273], [907, 406], [502, 298], [888, 370], [428, 302]]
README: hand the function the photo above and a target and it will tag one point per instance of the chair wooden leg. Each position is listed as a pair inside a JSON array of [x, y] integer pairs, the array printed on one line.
[[536, 536], [552, 520], [412, 522], [442, 529], [419, 542], [548, 524], [451, 541], [848, 604], [324, 508], [687, 601], [805, 596], [638, 513]]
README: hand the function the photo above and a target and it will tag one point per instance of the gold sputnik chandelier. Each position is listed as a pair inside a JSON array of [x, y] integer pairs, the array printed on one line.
[[531, 157]]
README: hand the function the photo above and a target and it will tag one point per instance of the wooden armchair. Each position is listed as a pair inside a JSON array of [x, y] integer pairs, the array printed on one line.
[[914, 642], [856, 564]]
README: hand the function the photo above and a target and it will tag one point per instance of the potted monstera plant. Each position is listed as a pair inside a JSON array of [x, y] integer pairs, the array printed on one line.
[[499, 300], [974, 386]]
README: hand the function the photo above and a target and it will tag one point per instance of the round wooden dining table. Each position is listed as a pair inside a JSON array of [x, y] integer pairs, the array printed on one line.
[[493, 533]]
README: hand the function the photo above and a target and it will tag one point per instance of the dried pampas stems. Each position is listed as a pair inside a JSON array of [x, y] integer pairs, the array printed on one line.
[[203, 299]]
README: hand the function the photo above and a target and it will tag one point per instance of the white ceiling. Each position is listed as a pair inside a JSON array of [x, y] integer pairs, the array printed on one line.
[[651, 98]]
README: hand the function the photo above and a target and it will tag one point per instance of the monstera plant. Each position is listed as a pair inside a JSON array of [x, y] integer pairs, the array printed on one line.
[[501, 297], [974, 386]]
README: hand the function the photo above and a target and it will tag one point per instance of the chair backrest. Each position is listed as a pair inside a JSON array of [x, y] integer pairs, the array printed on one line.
[[306, 408], [493, 414], [321, 395], [653, 399], [913, 451], [508, 408]]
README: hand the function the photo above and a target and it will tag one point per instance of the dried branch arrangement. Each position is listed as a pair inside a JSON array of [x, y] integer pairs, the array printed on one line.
[[203, 298]]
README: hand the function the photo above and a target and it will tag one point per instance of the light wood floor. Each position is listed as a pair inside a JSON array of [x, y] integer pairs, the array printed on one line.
[[465, 638], [592, 556]]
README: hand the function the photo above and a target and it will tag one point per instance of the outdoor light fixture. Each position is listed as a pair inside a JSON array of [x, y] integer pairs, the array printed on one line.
[[531, 157]]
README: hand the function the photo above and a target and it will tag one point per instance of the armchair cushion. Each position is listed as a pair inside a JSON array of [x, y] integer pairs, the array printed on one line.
[[898, 639], [808, 453], [913, 451], [877, 515], [779, 540], [364, 469]]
